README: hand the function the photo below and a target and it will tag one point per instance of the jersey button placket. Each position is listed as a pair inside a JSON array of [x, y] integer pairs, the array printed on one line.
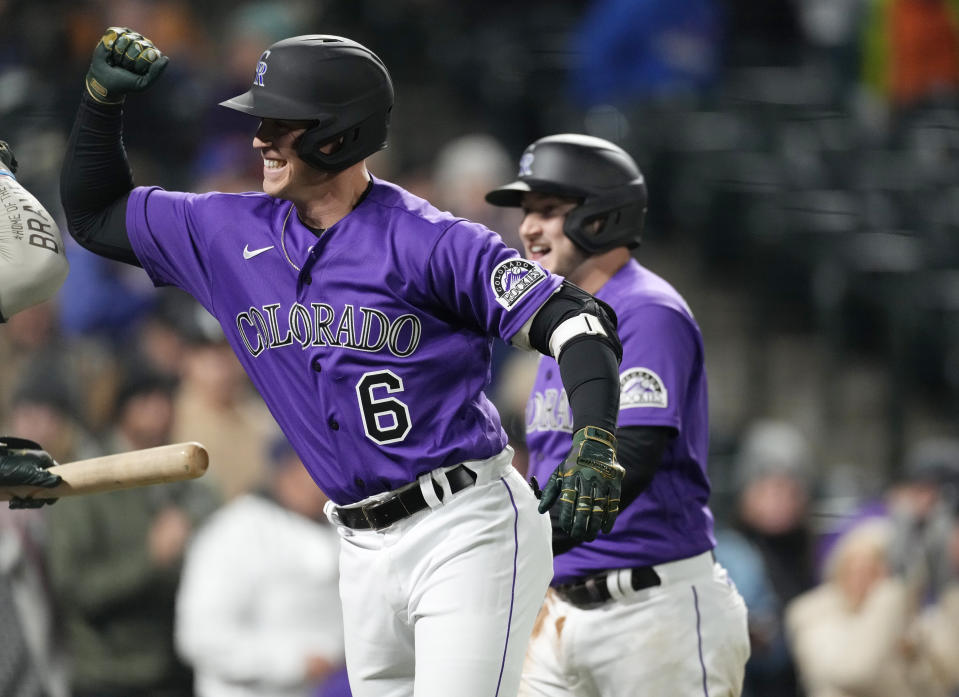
[[306, 273], [334, 424], [316, 365]]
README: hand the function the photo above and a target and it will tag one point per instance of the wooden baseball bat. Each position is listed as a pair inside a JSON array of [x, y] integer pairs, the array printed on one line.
[[166, 463]]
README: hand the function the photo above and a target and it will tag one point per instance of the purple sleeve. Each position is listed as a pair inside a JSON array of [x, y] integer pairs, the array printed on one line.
[[475, 275], [661, 349], [163, 230]]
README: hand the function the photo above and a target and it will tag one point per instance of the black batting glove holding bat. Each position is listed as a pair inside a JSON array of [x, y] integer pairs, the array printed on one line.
[[124, 61], [8, 161], [586, 487], [24, 462]]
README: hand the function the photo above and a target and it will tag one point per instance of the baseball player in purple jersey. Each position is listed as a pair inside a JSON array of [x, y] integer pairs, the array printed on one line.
[[33, 266], [365, 317], [644, 610]]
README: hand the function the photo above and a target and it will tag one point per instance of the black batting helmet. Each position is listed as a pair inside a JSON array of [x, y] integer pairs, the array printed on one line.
[[600, 173], [336, 82]]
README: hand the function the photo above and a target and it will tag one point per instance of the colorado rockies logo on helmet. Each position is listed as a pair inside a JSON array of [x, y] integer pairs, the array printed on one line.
[[526, 164], [513, 278], [261, 67], [641, 387]]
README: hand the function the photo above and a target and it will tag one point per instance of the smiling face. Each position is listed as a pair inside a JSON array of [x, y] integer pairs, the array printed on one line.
[[285, 175], [542, 233]]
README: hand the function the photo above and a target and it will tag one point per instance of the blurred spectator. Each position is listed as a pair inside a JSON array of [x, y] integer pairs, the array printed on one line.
[[632, 50], [911, 50], [32, 662], [465, 169], [920, 505], [144, 416], [216, 406], [861, 633], [32, 345], [102, 297], [831, 23], [937, 627], [922, 508], [115, 560], [847, 633], [768, 550], [885, 621], [44, 409], [159, 343], [258, 611], [833, 30]]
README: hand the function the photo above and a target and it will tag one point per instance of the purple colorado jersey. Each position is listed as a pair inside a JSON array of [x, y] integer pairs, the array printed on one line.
[[374, 357], [662, 383]]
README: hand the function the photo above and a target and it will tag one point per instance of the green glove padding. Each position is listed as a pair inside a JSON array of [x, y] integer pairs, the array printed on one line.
[[587, 485], [124, 61]]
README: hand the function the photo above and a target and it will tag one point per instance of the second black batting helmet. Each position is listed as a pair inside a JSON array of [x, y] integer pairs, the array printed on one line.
[[336, 82], [600, 173]]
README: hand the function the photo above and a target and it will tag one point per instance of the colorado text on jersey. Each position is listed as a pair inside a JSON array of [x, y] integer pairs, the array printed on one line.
[[313, 326]]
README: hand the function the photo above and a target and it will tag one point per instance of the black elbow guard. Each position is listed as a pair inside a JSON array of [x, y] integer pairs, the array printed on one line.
[[572, 315]]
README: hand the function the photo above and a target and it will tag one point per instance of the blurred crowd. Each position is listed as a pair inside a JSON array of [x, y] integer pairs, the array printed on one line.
[[805, 149], [847, 595]]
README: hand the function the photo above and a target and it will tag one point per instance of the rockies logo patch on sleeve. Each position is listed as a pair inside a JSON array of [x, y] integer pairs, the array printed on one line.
[[514, 278], [641, 387]]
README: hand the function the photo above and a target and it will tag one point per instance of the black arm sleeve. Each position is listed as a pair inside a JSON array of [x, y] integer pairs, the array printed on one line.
[[639, 450], [590, 373], [588, 363], [95, 181]]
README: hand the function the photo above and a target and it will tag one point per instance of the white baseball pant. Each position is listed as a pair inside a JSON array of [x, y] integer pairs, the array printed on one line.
[[684, 638], [443, 602]]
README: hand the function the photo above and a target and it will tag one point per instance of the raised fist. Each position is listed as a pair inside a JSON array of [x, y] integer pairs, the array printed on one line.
[[124, 61]]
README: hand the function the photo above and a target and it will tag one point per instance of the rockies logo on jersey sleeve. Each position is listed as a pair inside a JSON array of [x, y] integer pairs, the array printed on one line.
[[514, 278], [641, 387]]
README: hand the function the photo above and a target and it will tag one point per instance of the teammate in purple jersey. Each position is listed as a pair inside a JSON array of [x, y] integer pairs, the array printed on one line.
[[364, 316], [644, 610]]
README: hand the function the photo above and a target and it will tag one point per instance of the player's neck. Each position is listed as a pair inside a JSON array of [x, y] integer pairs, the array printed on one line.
[[593, 273], [332, 200]]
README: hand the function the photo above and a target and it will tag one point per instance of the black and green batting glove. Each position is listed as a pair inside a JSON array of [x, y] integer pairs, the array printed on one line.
[[7, 159], [24, 463], [124, 61], [587, 485]]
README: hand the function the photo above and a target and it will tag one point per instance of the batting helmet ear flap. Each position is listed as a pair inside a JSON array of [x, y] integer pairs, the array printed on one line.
[[369, 135], [622, 211]]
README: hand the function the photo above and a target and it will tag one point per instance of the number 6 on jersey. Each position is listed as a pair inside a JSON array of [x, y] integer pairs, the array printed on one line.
[[376, 410]]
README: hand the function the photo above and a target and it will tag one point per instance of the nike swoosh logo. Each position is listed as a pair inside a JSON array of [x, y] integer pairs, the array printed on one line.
[[250, 253]]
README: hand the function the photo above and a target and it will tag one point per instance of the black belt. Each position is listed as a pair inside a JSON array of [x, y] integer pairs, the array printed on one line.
[[382, 514], [592, 590]]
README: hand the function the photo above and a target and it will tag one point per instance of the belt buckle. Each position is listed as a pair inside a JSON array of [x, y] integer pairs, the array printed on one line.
[[365, 510]]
